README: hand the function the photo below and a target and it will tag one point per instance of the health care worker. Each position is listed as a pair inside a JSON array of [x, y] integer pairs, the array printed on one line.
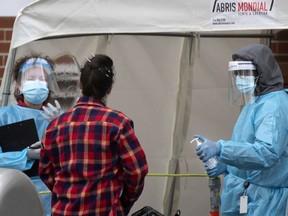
[[34, 81], [255, 161]]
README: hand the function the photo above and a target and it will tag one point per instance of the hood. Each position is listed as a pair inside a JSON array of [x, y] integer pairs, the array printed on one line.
[[270, 75]]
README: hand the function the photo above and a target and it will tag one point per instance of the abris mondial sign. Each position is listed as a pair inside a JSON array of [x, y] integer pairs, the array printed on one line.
[[237, 12]]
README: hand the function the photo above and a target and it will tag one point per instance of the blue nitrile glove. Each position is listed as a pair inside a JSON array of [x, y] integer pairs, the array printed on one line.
[[216, 171], [207, 149]]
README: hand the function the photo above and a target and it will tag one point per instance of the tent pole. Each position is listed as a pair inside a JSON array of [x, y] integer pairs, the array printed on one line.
[[167, 34], [8, 79]]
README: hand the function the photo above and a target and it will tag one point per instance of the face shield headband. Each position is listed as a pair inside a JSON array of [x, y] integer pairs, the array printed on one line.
[[36, 62], [243, 79]]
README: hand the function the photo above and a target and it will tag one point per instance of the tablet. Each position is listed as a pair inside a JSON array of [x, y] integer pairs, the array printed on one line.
[[18, 135]]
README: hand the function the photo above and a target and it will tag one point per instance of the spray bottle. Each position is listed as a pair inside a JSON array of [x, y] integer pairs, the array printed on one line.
[[214, 184], [212, 162]]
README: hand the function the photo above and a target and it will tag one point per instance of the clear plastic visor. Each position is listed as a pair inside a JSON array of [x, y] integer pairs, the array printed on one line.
[[243, 78], [38, 70]]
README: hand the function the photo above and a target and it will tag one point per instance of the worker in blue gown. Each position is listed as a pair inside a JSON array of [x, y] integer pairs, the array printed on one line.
[[34, 81], [255, 161]]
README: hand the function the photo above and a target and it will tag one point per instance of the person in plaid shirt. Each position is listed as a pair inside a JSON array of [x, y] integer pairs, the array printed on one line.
[[91, 159]]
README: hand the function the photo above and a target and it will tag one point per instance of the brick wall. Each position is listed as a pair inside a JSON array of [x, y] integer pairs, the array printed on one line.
[[6, 27], [279, 46]]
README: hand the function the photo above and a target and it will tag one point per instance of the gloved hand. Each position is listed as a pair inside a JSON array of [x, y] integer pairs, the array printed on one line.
[[207, 149], [52, 111], [216, 171], [33, 152]]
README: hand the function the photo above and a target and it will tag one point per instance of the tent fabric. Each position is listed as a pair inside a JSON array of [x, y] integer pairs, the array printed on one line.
[[183, 111], [44, 18]]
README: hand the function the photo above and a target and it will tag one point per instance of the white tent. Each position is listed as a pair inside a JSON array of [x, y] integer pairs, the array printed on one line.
[[171, 73]]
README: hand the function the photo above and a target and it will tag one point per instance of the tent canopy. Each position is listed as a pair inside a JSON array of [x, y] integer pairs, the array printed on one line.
[[46, 18]]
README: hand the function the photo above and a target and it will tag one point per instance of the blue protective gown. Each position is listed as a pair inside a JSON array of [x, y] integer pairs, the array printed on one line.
[[258, 152], [18, 159], [258, 149]]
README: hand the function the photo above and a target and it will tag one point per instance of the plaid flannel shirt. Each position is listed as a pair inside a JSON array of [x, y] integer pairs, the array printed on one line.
[[92, 161]]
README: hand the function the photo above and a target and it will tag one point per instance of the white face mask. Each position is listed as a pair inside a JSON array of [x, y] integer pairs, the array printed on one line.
[[245, 84]]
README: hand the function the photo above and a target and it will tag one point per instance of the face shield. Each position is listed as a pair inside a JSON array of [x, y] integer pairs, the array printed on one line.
[[37, 70], [243, 80]]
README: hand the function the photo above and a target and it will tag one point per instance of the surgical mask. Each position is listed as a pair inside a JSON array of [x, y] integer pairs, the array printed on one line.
[[36, 91], [245, 84]]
